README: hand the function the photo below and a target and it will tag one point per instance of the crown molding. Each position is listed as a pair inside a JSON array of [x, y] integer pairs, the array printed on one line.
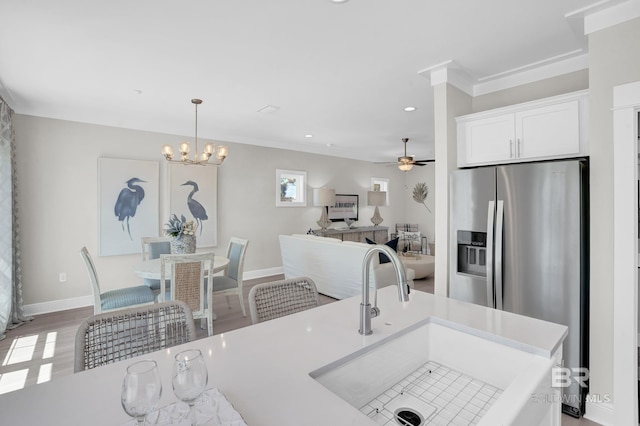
[[541, 70], [598, 16], [452, 73], [449, 72], [608, 14]]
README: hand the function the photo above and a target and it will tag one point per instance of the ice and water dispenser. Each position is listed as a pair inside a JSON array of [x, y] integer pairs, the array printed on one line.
[[472, 253]]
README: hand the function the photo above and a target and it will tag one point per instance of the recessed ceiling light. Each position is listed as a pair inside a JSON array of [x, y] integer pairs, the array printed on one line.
[[308, 136], [339, 1], [409, 108], [137, 92]]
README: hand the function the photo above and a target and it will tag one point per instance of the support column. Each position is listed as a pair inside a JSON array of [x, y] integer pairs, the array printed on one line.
[[449, 102]]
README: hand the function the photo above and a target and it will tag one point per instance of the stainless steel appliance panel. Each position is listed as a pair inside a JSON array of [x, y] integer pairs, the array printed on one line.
[[541, 271], [471, 192]]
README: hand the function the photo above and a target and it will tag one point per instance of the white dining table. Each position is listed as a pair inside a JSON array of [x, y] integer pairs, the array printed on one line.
[[151, 268]]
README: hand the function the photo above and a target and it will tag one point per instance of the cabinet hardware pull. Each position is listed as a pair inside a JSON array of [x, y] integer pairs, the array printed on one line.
[[519, 152], [510, 148]]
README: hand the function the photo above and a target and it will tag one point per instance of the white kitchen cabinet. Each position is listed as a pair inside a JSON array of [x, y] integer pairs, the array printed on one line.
[[545, 129], [487, 140]]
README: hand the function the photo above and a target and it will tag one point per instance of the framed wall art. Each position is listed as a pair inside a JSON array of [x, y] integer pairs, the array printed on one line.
[[346, 207], [128, 204], [291, 188], [193, 192]]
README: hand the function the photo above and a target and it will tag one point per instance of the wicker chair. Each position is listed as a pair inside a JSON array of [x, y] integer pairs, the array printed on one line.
[[152, 248], [279, 298], [109, 337], [114, 299], [186, 275]]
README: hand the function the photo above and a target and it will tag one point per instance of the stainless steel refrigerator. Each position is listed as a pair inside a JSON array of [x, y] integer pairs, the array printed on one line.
[[519, 242]]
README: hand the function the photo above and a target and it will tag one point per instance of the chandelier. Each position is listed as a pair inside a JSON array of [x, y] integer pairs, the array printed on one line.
[[200, 159]]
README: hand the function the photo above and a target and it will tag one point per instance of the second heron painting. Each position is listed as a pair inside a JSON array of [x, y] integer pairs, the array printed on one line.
[[193, 193]]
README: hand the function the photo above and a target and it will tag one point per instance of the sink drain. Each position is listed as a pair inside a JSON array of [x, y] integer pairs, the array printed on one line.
[[408, 417]]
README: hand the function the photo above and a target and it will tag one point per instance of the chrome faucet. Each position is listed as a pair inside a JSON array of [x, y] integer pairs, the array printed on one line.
[[366, 311]]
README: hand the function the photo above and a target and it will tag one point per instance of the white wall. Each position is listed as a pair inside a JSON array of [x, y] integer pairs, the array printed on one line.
[[417, 213], [58, 202], [614, 59]]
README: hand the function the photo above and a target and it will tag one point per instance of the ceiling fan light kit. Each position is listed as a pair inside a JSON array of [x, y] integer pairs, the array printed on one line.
[[406, 162]]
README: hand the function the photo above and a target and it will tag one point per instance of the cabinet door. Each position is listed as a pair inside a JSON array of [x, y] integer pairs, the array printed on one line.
[[351, 236], [488, 140], [380, 236], [549, 131], [337, 236], [367, 234]]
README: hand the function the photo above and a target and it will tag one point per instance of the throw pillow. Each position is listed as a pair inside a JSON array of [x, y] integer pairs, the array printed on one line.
[[393, 244], [410, 241]]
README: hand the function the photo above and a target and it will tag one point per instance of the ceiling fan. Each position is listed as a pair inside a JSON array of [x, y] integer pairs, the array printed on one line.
[[406, 162]]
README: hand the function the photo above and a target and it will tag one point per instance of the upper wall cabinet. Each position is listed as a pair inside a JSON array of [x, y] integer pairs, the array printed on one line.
[[539, 130]]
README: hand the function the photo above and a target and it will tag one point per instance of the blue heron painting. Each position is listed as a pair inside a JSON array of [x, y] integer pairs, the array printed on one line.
[[128, 201], [197, 210]]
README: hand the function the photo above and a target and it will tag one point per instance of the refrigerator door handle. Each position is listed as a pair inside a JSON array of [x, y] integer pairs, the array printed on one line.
[[498, 254], [490, 229]]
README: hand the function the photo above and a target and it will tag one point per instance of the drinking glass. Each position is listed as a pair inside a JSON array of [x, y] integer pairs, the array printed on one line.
[[141, 389], [190, 378]]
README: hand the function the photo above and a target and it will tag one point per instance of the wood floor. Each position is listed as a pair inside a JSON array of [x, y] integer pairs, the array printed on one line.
[[42, 349]]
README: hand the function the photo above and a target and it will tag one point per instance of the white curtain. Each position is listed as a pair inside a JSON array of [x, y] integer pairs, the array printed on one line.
[[11, 307]]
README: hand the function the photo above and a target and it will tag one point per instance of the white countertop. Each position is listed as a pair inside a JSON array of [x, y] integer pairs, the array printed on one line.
[[263, 370]]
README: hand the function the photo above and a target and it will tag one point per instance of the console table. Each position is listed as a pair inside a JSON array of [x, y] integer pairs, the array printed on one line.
[[379, 234]]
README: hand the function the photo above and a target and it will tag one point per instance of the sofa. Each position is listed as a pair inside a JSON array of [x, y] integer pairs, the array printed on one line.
[[335, 266]]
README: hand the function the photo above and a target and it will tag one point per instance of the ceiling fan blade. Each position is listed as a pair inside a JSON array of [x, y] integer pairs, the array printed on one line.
[[425, 161]]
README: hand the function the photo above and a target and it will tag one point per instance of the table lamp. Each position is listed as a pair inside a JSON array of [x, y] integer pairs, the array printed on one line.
[[376, 198], [324, 197]]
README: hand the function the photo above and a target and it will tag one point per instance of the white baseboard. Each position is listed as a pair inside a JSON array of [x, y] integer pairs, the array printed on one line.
[[599, 412], [82, 301], [58, 305], [259, 273]]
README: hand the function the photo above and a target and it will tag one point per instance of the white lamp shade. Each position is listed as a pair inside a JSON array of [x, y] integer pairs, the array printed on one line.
[[376, 198], [324, 197]]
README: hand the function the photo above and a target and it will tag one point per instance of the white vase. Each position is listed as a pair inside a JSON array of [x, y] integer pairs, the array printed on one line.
[[184, 244]]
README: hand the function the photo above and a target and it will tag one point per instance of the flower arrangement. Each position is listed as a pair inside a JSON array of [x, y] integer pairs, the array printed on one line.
[[178, 227]]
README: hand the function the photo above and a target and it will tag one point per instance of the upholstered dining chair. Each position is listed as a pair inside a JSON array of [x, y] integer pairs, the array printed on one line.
[[109, 337], [279, 298], [114, 299], [230, 283], [152, 248], [182, 277]]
